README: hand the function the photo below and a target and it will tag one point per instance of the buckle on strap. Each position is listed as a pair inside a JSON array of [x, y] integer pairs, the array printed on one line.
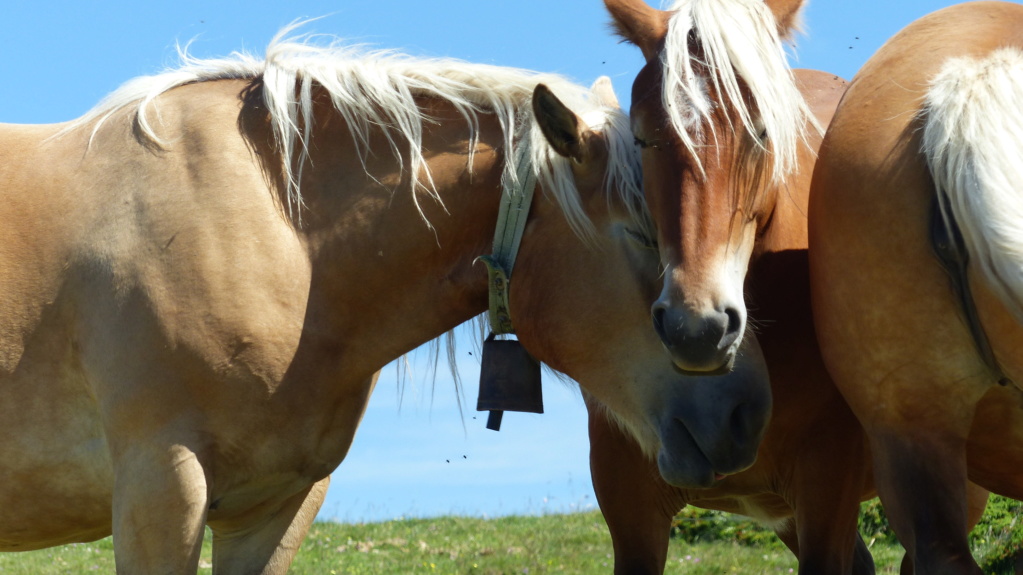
[[511, 224], [497, 280]]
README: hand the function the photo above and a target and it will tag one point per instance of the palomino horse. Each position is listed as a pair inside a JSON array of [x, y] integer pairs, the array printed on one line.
[[202, 275], [922, 165], [813, 468], [716, 111]]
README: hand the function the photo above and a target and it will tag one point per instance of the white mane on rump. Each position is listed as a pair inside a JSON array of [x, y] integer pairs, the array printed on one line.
[[973, 141]]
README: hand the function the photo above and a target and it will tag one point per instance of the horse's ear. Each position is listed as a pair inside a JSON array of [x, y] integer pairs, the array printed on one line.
[[636, 22], [562, 128], [789, 15], [604, 93]]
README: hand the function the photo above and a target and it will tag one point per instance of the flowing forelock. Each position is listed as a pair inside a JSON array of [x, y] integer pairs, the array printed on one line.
[[739, 41]]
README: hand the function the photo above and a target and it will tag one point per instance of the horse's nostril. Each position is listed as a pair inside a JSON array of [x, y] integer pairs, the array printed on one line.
[[734, 320], [739, 421], [658, 314]]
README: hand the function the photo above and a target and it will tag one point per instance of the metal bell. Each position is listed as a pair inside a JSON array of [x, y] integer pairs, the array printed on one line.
[[509, 381]]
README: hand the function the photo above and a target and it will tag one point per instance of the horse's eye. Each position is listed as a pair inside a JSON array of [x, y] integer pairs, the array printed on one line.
[[643, 144], [641, 238], [761, 130]]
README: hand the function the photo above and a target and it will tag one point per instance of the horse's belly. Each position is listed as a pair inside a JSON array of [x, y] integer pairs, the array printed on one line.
[[55, 470], [46, 505], [995, 449], [55, 475], [768, 508]]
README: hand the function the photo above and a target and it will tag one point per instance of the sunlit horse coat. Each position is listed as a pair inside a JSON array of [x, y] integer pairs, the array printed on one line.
[[201, 276]]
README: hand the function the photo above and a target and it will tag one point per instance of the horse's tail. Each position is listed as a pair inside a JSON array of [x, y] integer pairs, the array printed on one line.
[[973, 143]]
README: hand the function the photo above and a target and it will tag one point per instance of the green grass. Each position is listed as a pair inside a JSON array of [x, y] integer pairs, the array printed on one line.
[[704, 543], [576, 543]]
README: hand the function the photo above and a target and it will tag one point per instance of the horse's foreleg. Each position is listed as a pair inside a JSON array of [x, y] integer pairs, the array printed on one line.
[[825, 527], [821, 473], [862, 562], [922, 484], [632, 496], [786, 531], [267, 545], [832, 546], [159, 510], [976, 503]]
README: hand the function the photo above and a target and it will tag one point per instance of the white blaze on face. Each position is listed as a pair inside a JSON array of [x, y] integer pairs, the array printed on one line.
[[724, 287], [732, 270]]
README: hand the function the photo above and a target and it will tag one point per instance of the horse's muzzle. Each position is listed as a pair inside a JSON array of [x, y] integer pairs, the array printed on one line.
[[716, 426], [699, 343]]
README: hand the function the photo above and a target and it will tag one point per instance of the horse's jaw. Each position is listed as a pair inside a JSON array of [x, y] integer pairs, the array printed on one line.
[[715, 428]]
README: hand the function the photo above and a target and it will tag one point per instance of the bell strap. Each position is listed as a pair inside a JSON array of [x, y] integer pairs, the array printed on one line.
[[516, 198]]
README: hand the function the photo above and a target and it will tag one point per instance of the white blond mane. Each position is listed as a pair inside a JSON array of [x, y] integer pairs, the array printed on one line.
[[378, 90], [973, 140], [739, 41]]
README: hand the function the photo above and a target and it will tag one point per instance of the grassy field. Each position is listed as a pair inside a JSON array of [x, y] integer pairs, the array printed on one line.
[[577, 543], [703, 544]]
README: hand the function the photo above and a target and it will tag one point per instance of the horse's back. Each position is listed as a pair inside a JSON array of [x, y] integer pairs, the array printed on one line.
[[822, 90]]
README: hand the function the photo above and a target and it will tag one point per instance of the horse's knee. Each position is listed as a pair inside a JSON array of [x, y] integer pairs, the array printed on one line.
[[267, 542]]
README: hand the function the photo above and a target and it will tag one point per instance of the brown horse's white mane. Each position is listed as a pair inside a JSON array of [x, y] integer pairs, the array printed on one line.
[[738, 40], [971, 137], [378, 90]]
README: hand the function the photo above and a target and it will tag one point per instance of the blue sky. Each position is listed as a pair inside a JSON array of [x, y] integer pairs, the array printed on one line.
[[414, 455]]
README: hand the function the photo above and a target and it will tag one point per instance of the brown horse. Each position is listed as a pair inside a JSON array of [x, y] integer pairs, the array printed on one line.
[[813, 468], [920, 166], [717, 112], [202, 275]]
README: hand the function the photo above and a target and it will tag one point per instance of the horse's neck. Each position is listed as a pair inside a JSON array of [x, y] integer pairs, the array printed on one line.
[[387, 277], [788, 225]]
